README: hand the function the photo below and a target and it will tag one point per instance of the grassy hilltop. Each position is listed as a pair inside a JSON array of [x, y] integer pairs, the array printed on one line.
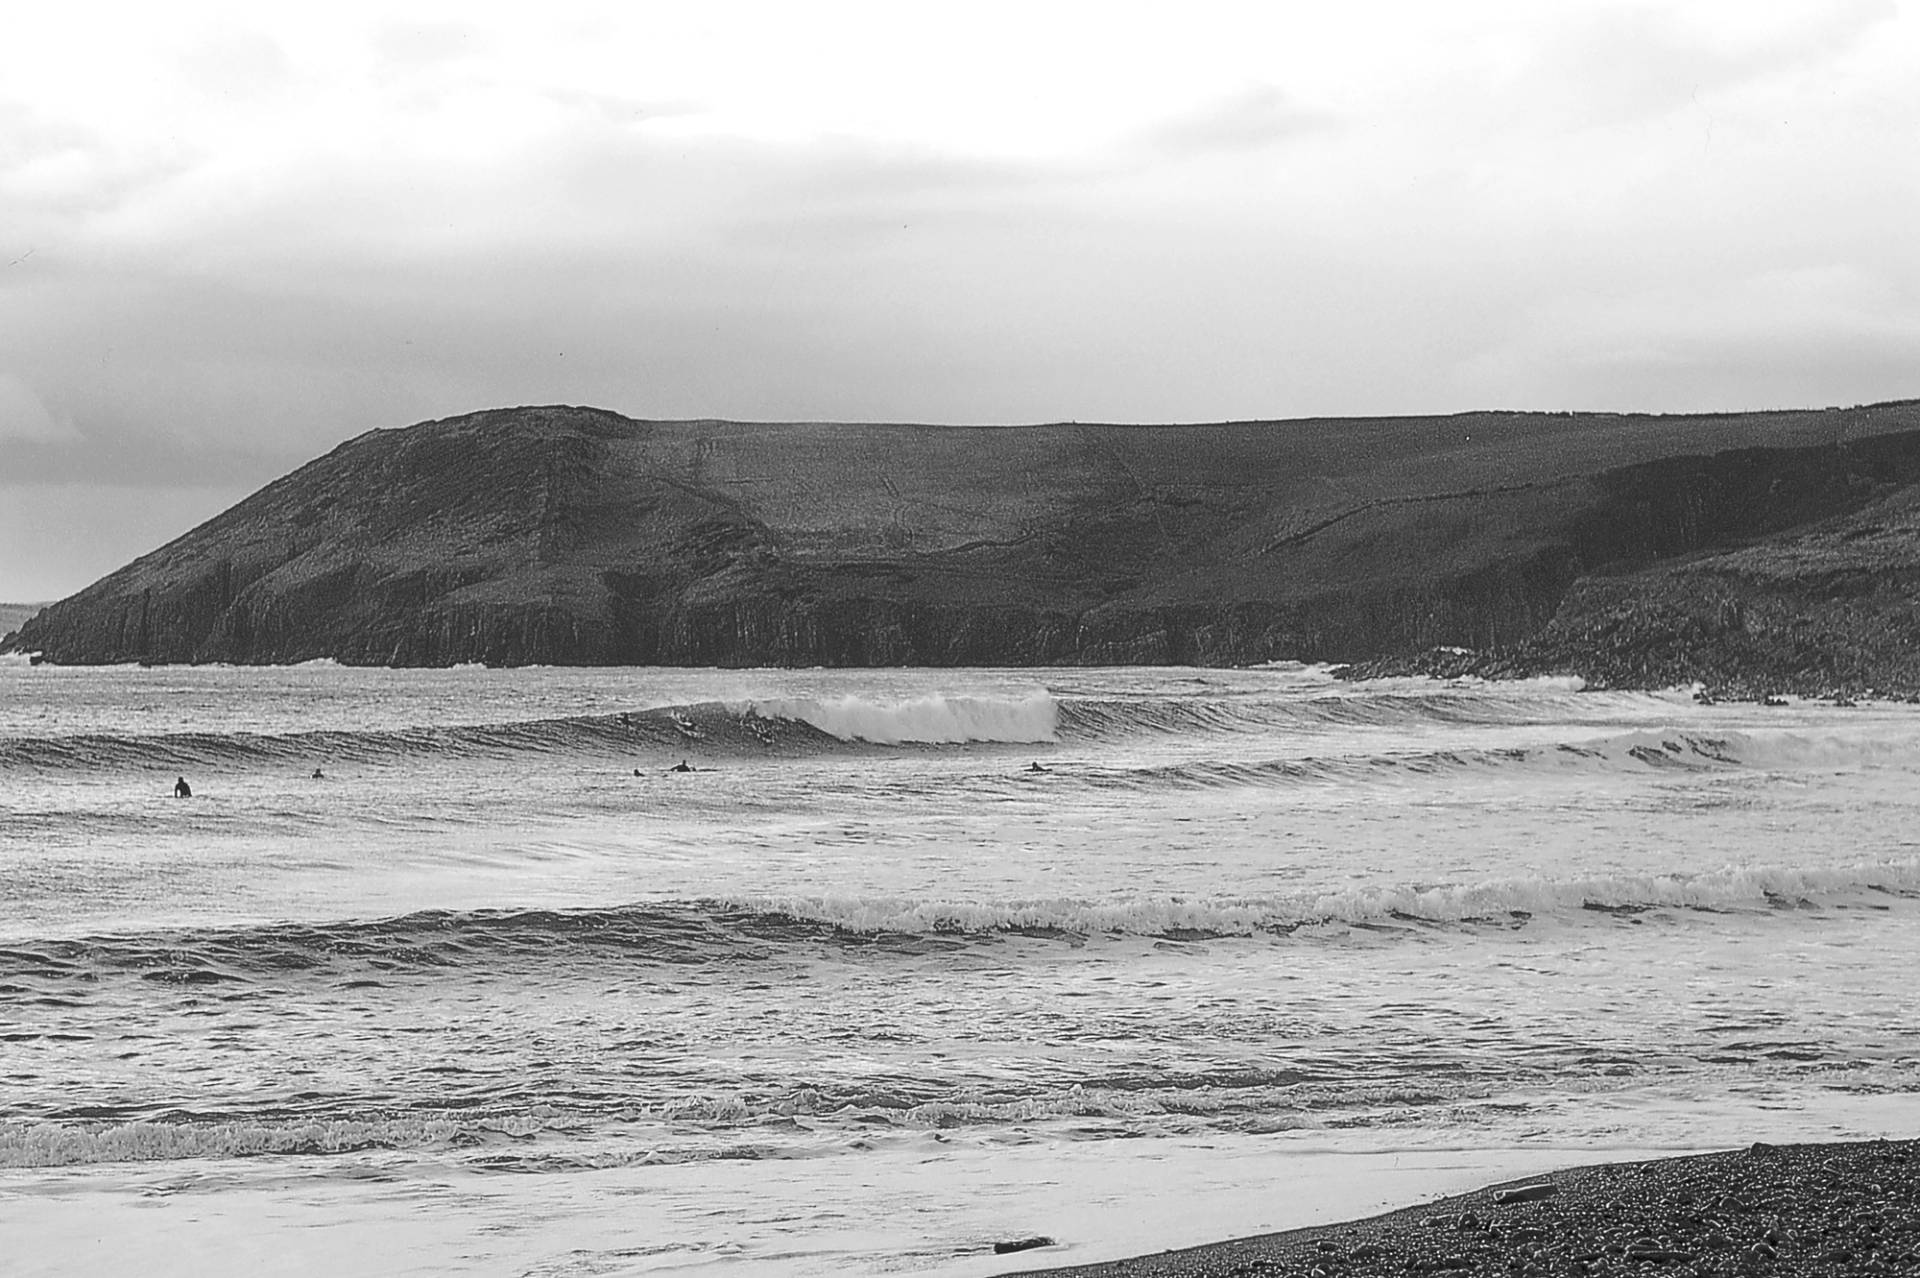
[[573, 535]]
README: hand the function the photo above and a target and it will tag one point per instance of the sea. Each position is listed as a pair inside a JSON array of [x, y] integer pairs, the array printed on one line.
[[458, 972]]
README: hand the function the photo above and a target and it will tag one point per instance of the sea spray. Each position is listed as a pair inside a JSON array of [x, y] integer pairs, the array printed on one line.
[[1030, 717]]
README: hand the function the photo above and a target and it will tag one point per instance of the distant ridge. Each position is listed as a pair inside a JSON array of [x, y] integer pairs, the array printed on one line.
[[12, 614], [576, 535]]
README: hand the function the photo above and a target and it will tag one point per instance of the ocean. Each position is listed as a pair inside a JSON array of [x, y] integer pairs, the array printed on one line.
[[450, 972]]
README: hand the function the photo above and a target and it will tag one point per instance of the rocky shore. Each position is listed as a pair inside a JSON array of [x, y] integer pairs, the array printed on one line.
[[1832, 610], [1785, 1211]]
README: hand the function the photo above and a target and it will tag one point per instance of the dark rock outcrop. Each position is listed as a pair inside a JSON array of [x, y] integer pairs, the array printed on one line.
[[1828, 611], [568, 535]]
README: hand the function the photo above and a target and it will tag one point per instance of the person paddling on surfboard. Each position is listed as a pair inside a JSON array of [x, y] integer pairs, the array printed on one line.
[[682, 766]]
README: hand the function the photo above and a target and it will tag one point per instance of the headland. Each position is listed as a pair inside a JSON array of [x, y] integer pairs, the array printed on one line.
[[1751, 552]]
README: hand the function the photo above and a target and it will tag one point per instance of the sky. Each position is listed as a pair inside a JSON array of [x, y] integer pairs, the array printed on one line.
[[232, 236]]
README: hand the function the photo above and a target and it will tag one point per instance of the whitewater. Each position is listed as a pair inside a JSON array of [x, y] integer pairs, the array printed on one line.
[[452, 972]]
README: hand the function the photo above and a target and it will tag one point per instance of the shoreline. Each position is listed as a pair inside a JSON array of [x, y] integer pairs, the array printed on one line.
[[1815, 1209]]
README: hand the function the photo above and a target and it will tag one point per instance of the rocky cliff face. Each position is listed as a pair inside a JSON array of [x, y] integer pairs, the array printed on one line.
[[564, 535], [1831, 610]]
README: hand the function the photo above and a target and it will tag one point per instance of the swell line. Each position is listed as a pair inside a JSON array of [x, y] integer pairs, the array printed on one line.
[[776, 926], [711, 725]]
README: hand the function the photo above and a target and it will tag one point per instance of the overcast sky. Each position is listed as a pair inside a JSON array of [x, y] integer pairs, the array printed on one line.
[[230, 239]]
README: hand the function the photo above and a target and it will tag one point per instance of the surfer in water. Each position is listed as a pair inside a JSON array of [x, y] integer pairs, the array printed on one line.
[[181, 790], [1035, 767], [318, 775], [683, 766]]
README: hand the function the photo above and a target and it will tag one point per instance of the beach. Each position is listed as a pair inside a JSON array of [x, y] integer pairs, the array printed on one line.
[[1851, 1208]]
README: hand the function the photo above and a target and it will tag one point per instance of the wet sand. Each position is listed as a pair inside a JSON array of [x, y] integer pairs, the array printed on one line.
[[1837, 1209]]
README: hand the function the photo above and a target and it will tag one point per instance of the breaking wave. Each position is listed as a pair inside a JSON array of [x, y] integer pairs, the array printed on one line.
[[802, 725], [1489, 704], [933, 720], [712, 725], [792, 726], [761, 1125], [346, 954], [1502, 902], [1628, 752], [50, 1144]]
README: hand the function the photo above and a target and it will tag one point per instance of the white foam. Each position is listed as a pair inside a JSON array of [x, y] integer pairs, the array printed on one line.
[[59, 1145], [1750, 888], [1727, 888], [1765, 750], [929, 1206], [1306, 672], [1533, 683], [1020, 718]]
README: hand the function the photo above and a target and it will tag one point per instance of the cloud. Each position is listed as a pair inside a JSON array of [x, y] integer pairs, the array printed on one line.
[[1615, 64], [238, 65], [405, 45], [1798, 337], [1256, 117], [24, 417], [56, 538], [254, 235]]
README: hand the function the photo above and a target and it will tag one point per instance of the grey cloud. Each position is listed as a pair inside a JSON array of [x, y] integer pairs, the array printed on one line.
[[411, 45], [240, 65], [751, 181], [624, 111], [25, 134], [1628, 63], [1708, 373], [54, 173], [1759, 339], [23, 416], [115, 451], [55, 538], [670, 276], [1258, 116]]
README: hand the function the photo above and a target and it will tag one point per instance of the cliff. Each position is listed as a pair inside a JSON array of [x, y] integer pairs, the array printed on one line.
[[1833, 610], [570, 535]]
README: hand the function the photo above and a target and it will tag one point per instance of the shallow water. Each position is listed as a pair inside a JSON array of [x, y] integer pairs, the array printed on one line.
[[866, 946]]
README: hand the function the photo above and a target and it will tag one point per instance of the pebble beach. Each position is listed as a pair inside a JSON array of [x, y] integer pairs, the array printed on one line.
[[1785, 1210]]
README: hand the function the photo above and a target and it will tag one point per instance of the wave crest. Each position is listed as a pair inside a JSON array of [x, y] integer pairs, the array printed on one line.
[[930, 720], [711, 725], [772, 927], [1500, 902]]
